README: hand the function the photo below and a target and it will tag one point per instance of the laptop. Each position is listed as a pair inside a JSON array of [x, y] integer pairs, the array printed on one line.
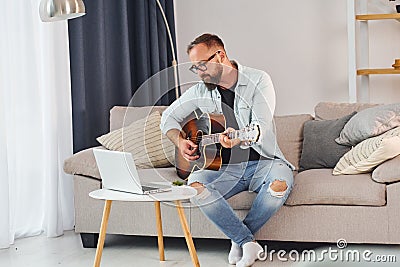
[[118, 172]]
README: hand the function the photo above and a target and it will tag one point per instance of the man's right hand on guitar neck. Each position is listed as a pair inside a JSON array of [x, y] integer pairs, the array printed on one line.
[[186, 148]]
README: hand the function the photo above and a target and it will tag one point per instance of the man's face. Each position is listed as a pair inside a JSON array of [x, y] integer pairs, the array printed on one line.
[[212, 75]]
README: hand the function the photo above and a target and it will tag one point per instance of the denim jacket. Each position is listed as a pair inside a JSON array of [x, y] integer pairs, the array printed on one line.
[[254, 104]]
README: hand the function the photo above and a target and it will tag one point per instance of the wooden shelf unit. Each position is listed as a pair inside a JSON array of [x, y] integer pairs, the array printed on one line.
[[377, 71], [358, 19], [378, 16], [367, 17]]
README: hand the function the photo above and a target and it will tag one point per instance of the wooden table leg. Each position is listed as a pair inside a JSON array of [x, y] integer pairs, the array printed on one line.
[[159, 231], [188, 235], [103, 229]]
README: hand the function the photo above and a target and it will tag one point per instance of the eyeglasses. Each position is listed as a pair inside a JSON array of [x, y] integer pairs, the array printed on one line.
[[203, 64]]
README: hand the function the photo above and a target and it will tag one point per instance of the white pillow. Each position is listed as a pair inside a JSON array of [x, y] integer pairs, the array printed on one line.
[[370, 153], [143, 138]]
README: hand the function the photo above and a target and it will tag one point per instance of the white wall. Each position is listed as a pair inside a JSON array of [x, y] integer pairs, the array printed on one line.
[[301, 44]]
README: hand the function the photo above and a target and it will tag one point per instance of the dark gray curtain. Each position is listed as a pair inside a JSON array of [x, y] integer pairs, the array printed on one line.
[[114, 49]]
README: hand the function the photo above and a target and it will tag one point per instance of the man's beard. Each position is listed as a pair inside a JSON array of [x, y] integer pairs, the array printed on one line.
[[213, 80]]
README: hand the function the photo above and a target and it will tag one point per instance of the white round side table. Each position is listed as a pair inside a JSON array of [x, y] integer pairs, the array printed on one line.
[[177, 194]]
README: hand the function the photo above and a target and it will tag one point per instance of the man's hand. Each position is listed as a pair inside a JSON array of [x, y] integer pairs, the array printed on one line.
[[225, 141], [188, 149]]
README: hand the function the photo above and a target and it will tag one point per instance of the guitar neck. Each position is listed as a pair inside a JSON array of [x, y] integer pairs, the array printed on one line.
[[214, 138]]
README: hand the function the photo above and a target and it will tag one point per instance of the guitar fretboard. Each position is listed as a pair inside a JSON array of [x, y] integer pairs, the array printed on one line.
[[214, 138]]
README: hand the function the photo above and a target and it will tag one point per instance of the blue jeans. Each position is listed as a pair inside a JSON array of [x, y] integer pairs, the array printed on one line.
[[231, 179]]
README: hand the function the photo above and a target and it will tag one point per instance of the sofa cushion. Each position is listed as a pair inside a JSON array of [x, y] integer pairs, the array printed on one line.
[[143, 138], [158, 175], [242, 201], [319, 147], [331, 110], [388, 171], [370, 153], [289, 134], [123, 116], [319, 186], [83, 163]]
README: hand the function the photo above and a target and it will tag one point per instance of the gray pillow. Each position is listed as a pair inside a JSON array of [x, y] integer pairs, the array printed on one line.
[[370, 122], [319, 147]]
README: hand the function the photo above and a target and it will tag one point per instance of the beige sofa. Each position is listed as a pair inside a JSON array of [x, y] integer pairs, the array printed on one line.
[[321, 207]]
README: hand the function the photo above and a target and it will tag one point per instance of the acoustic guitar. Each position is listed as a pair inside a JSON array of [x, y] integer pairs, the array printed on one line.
[[204, 130]]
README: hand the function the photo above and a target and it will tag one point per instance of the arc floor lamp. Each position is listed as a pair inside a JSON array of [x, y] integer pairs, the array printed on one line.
[[55, 10]]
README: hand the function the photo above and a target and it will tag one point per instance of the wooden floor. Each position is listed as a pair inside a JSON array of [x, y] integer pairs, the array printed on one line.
[[121, 251]]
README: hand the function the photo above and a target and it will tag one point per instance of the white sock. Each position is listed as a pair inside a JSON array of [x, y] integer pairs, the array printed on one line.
[[250, 254], [235, 254]]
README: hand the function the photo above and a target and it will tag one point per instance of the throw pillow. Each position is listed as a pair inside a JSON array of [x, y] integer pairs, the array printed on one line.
[[370, 153], [370, 122], [143, 138], [319, 147], [388, 171]]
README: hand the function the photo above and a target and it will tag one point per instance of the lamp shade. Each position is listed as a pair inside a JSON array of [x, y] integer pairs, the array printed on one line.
[[53, 10]]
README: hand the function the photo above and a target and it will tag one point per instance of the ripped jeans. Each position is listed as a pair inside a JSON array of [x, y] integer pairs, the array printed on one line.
[[232, 179]]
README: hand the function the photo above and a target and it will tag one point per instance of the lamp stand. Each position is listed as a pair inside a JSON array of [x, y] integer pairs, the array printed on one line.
[[174, 63]]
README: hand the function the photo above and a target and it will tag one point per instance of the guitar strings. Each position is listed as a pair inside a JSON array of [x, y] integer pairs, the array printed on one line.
[[207, 136]]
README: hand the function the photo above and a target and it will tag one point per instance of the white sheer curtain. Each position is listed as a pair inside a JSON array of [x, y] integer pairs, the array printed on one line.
[[35, 124]]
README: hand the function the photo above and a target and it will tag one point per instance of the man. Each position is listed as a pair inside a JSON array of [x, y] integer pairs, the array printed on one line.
[[244, 96]]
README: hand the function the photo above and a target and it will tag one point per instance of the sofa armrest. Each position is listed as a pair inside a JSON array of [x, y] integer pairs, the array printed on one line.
[[83, 163], [388, 171]]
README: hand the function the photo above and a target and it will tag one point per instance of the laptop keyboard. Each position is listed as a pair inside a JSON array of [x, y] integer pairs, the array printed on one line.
[[148, 188]]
